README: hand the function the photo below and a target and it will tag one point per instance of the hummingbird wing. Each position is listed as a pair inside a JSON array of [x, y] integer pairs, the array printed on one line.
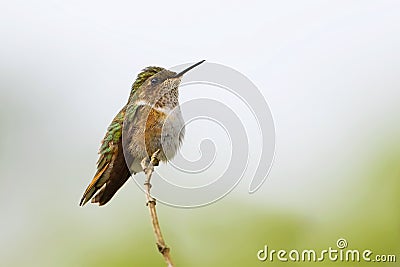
[[112, 171]]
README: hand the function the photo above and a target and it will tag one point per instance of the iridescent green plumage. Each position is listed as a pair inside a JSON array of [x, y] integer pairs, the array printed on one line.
[[113, 135]]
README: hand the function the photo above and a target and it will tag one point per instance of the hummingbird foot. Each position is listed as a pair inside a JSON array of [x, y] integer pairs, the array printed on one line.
[[155, 161]]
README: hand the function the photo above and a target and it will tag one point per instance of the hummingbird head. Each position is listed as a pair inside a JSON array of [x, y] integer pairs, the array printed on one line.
[[158, 86]]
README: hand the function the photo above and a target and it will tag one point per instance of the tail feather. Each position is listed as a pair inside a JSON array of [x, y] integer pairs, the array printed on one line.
[[108, 181], [108, 191], [93, 186]]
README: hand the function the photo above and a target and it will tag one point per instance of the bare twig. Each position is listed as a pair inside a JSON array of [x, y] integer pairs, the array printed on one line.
[[148, 168]]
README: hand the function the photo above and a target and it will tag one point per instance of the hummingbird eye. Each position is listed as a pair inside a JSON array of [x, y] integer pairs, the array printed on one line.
[[154, 80]]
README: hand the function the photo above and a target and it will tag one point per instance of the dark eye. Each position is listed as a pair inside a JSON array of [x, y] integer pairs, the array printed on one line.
[[154, 80]]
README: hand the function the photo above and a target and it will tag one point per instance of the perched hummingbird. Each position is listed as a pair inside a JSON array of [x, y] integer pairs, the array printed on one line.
[[150, 121]]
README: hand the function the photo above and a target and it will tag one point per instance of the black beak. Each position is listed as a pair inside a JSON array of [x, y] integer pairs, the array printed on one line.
[[187, 69]]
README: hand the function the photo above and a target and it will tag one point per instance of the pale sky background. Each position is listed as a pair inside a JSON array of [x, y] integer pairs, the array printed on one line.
[[329, 71]]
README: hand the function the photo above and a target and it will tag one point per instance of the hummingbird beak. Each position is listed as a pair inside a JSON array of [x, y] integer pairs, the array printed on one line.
[[187, 69]]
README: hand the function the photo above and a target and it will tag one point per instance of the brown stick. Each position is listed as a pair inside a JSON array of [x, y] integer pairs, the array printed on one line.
[[148, 168]]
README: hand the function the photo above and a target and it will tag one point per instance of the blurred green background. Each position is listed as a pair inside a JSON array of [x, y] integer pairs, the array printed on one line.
[[329, 71]]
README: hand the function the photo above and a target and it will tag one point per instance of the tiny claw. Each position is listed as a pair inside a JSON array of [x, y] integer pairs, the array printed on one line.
[[155, 161]]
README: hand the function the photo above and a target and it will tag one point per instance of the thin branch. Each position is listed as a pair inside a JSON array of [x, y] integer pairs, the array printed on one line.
[[148, 168]]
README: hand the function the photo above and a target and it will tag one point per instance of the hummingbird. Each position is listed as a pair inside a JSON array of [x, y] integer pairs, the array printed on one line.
[[150, 121]]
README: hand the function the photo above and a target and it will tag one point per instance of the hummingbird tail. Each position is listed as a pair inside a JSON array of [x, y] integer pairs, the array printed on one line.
[[108, 191], [107, 181], [93, 186]]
